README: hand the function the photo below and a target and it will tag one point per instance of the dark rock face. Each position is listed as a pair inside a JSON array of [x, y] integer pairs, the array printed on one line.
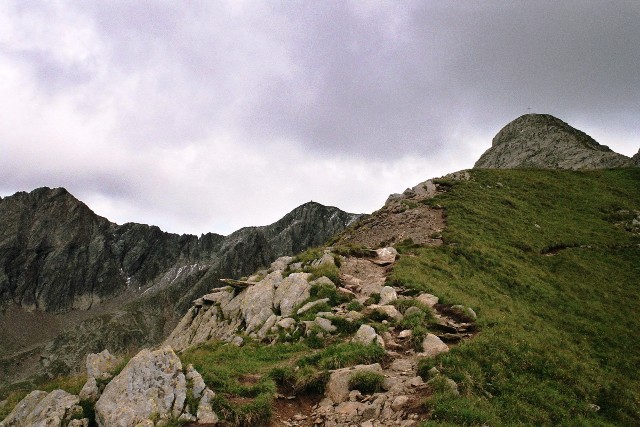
[[636, 158], [545, 142], [57, 255], [119, 286]]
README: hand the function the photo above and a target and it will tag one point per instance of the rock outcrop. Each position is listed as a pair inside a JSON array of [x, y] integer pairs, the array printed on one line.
[[57, 256], [542, 141], [152, 384], [41, 409], [636, 158]]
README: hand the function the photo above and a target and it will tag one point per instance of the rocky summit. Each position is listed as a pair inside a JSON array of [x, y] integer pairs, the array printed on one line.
[[542, 141]]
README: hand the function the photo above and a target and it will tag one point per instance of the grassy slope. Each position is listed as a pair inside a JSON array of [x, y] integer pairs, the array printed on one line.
[[558, 332]]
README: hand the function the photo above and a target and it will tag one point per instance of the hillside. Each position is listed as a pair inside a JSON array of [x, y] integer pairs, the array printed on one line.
[[73, 283], [548, 260]]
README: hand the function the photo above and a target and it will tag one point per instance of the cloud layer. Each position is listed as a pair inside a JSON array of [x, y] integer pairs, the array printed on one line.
[[208, 116]]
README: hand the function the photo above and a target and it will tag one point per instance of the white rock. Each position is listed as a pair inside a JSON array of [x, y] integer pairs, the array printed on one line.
[[323, 280], [433, 346], [196, 380], [237, 341], [387, 295], [79, 423], [386, 255], [23, 408], [52, 410], [325, 259], [281, 263], [90, 391], [292, 291], [312, 304], [388, 310], [405, 334], [367, 335], [428, 299], [286, 323], [101, 365], [337, 388], [205, 413], [325, 324], [152, 383]]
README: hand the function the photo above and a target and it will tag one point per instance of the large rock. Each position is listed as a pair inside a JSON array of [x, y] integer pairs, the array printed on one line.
[[23, 409], [545, 142], [152, 384], [39, 409], [433, 346], [101, 365], [367, 335], [337, 388], [293, 290]]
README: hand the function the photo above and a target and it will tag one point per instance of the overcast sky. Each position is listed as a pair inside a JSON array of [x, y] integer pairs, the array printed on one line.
[[202, 116]]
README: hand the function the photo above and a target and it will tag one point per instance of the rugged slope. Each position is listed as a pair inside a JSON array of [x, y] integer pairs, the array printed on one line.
[[71, 282], [541, 141], [549, 261]]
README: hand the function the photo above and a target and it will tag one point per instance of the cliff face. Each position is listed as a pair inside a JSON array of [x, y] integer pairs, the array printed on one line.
[[542, 141]]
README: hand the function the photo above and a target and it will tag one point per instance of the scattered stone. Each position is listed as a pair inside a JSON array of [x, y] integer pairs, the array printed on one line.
[[308, 306], [466, 310], [90, 390], [387, 295], [196, 380], [281, 263], [286, 323], [205, 413], [367, 335], [323, 281], [325, 259], [101, 365], [24, 408], [428, 299], [406, 333], [386, 256], [325, 324], [452, 386], [433, 346], [84, 422], [388, 310], [337, 388], [237, 341], [399, 402]]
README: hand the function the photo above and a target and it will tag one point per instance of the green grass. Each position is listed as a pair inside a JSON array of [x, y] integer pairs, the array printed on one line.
[[367, 382], [555, 282]]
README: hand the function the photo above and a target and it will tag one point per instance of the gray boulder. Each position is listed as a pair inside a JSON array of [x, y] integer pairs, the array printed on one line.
[[367, 335], [152, 384], [338, 385], [101, 365], [433, 346], [39, 409]]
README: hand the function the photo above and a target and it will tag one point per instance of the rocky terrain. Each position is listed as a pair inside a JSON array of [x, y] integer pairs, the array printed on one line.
[[289, 301], [541, 141], [379, 327], [71, 282]]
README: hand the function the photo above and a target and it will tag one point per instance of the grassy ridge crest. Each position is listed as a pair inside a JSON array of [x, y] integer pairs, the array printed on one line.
[[546, 261]]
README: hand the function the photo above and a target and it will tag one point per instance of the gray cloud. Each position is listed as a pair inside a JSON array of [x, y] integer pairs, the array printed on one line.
[[208, 116]]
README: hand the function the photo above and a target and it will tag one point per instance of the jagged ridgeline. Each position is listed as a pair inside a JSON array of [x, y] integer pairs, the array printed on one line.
[[72, 282], [494, 297]]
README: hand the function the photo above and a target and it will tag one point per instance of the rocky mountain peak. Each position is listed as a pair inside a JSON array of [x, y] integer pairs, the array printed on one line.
[[543, 141]]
